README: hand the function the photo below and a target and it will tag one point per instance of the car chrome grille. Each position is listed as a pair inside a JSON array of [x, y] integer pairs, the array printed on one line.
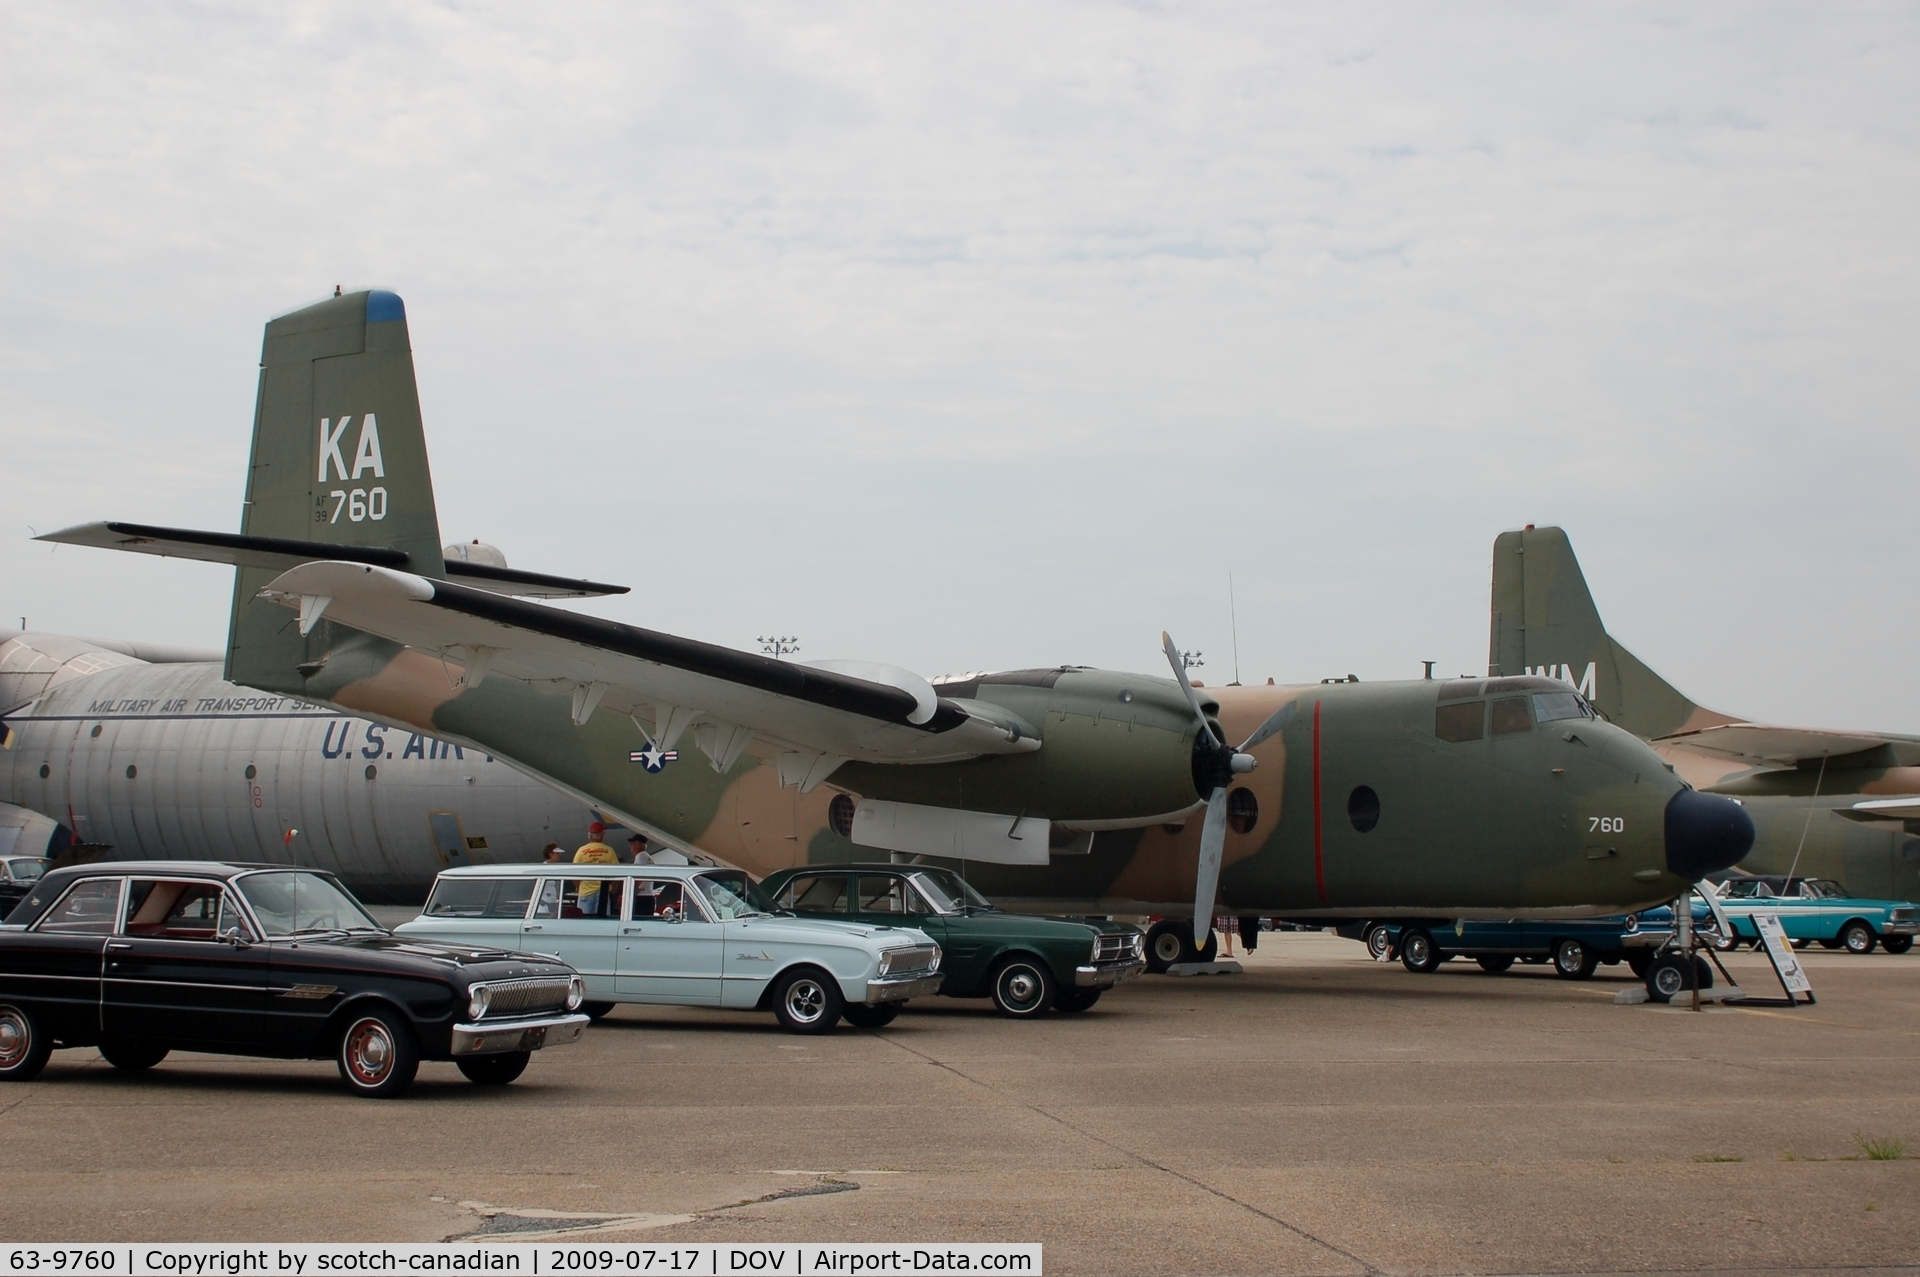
[[513, 998], [1114, 948], [919, 957]]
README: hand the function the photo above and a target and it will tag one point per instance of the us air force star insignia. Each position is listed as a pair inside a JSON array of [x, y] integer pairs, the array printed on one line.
[[654, 760]]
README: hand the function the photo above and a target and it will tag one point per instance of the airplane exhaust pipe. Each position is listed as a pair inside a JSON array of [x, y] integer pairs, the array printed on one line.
[[1705, 834]]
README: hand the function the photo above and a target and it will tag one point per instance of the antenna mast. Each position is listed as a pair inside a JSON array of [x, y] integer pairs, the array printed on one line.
[[1233, 613]]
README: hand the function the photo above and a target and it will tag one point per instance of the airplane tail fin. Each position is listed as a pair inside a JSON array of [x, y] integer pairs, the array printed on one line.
[[1545, 622], [339, 458]]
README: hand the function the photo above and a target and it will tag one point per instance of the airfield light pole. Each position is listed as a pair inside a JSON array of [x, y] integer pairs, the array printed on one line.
[[778, 645]]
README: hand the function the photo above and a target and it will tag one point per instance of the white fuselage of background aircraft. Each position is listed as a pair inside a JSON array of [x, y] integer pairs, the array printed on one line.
[[146, 752]]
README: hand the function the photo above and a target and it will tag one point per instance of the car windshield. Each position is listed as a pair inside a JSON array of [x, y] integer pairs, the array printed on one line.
[[26, 869], [1825, 889], [731, 894], [291, 901], [948, 891]]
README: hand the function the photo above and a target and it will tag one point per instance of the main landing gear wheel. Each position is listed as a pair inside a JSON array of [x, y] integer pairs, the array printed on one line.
[[808, 1001], [23, 1047], [132, 1057], [494, 1070], [1858, 937], [1573, 960], [1022, 988], [1672, 974], [1170, 940], [377, 1056], [596, 1011], [1896, 944], [862, 1016], [1418, 953], [1495, 963], [1074, 1000]]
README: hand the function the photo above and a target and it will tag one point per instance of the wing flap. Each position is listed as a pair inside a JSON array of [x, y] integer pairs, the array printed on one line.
[[606, 665]]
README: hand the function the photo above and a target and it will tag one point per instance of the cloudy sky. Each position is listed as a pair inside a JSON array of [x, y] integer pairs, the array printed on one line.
[[980, 336]]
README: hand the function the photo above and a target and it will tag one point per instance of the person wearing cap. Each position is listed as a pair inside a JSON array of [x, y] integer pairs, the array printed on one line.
[[593, 852], [552, 854], [637, 846]]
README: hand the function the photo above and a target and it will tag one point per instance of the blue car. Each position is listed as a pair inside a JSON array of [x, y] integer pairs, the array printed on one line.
[[1818, 909]]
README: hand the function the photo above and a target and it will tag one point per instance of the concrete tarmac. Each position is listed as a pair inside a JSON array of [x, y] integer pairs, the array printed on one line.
[[1318, 1114]]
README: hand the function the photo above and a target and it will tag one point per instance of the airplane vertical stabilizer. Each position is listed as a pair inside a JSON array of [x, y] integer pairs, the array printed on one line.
[[1545, 622], [339, 457]]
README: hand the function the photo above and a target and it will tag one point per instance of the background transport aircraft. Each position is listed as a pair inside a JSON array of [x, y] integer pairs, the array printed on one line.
[[1066, 789], [1836, 804], [145, 752]]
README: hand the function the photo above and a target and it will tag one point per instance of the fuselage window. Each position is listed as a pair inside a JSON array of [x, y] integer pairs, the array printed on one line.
[[1510, 716], [1465, 720], [1243, 811], [1363, 808]]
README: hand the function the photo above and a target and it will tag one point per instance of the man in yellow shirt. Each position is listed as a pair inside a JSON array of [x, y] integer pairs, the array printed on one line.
[[593, 852]]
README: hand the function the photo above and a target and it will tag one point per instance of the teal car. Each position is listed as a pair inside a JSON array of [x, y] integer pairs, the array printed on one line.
[[1818, 909], [1028, 965]]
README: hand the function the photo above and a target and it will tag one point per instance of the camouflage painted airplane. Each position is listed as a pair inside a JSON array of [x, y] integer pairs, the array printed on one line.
[[1839, 804], [1069, 789]]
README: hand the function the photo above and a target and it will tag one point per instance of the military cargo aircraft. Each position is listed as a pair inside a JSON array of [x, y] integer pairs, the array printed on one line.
[[1836, 804], [1066, 789], [144, 752]]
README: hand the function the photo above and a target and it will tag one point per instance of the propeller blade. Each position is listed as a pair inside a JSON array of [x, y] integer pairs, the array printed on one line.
[[1180, 673], [1213, 843], [1277, 722]]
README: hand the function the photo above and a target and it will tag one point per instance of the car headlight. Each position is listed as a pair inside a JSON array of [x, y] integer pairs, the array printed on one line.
[[479, 998], [576, 993]]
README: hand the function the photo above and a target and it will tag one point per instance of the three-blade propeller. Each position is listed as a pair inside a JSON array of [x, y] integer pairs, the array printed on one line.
[[1215, 764]]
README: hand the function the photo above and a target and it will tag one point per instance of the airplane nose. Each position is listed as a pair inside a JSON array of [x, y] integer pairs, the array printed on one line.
[[1705, 834]]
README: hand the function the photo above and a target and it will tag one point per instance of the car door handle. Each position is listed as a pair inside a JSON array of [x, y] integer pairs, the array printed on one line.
[[531, 926], [114, 946], [631, 931]]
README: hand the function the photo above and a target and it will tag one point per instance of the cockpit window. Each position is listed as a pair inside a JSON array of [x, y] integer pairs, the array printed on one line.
[[1461, 720], [1551, 706], [1510, 716]]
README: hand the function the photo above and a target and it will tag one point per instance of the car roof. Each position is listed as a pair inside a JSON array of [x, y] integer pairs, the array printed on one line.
[[196, 868], [568, 869]]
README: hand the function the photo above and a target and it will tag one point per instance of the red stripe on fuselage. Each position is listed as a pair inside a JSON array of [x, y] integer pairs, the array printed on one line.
[[1319, 867]]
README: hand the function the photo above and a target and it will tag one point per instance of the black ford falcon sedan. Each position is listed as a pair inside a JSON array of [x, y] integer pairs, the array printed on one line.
[[139, 958]]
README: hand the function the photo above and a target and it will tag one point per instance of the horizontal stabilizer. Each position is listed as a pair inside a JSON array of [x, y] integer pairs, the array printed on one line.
[[1885, 809], [606, 666], [1762, 746], [280, 553]]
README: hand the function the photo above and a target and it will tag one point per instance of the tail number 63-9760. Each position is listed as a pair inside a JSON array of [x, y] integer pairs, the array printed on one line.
[[1606, 824]]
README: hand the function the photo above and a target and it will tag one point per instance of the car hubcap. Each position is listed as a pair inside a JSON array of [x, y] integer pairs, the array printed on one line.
[[1021, 987], [1377, 941], [805, 1000], [369, 1052], [1571, 956], [1857, 941], [1417, 950], [13, 1040]]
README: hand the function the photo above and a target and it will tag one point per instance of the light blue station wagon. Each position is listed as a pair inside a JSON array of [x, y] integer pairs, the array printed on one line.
[[684, 935]]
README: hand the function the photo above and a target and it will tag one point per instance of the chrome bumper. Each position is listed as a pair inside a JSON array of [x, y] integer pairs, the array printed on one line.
[[1107, 974], [518, 1035], [900, 988], [1901, 929], [1645, 939]]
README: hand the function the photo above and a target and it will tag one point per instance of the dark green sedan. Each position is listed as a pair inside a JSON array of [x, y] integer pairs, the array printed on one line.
[[1027, 965]]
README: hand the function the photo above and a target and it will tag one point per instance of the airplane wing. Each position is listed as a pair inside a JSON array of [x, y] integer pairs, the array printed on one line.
[[279, 553], [813, 716], [1764, 746], [1907, 809]]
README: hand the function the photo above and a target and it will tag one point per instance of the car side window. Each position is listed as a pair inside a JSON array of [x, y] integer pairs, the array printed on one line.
[[1460, 721], [231, 920], [162, 910], [1510, 716], [824, 894], [886, 894], [90, 908]]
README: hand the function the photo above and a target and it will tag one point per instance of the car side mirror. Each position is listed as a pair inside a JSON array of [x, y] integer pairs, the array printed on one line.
[[236, 938]]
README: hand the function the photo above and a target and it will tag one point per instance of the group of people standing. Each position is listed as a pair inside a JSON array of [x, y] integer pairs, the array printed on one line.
[[595, 851]]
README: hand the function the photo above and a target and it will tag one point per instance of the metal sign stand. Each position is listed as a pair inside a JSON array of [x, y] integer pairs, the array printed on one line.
[[1786, 964]]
